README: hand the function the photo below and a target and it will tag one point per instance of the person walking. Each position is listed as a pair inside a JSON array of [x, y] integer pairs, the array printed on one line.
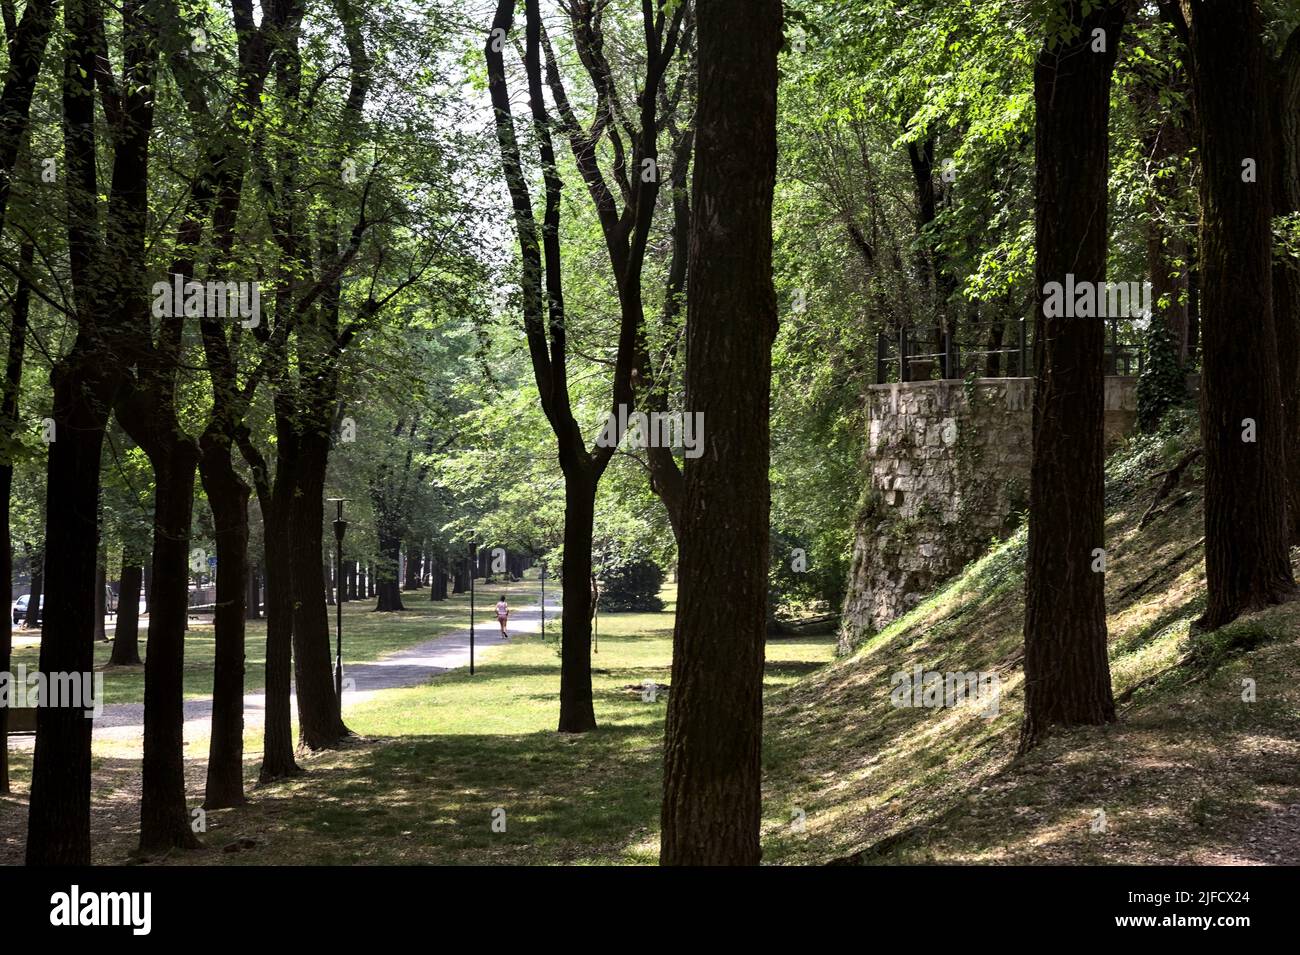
[[503, 614]]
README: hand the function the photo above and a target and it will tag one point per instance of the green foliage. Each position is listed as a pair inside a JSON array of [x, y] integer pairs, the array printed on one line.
[[633, 586], [1163, 383]]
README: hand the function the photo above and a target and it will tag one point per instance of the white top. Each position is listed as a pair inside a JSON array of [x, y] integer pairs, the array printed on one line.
[[502, 609]]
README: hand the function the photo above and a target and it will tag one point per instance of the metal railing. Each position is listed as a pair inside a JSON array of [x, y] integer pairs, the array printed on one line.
[[916, 355]]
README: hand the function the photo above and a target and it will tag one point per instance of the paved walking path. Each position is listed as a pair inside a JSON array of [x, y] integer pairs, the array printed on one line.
[[361, 681]]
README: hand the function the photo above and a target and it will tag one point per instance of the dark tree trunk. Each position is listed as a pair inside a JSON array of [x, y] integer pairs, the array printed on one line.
[[13, 382], [164, 817], [58, 826], [277, 744], [35, 599], [1286, 271], [712, 747], [253, 606], [7, 595], [438, 583], [320, 725], [126, 635], [228, 497], [1067, 674], [389, 588], [413, 568], [577, 714], [101, 597], [370, 579], [1246, 534]]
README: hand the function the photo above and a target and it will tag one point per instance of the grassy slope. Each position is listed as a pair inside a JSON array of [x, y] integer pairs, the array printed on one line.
[[1189, 773]]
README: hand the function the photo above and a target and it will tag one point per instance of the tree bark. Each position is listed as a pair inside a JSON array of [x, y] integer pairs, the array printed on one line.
[[101, 597], [164, 816], [320, 725], [389, 588], [13, 383], [1286, 270], [712, 767], [577, 713], [36, 595], [1067, 674], [253, 599], [228, 497], [277, 733], [126, 635], [58, 822], [1246, 534]]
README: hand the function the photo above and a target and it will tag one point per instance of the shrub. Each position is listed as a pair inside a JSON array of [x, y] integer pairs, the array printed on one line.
[[633, 586]]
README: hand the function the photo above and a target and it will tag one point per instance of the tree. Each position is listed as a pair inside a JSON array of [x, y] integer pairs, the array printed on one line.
[[626, 234], [1067, 673], [85, 381], [25, 42], [712, 769], [1285, 85], [1247, 565]]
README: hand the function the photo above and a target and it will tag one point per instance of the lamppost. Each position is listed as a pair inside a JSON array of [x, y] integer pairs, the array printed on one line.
[[473, 569], [340, 528], [542, 577]]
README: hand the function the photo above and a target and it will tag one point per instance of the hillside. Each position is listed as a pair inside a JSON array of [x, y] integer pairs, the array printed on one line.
[[1190, 773]]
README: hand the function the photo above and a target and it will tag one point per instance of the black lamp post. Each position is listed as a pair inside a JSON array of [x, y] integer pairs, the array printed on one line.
[[542, 575], [473, 569], [340, 528]]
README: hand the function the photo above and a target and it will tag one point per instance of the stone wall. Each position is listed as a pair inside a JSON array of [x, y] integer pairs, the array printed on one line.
[[948, 472]]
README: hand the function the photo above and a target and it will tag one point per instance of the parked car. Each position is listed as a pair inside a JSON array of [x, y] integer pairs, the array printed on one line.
[[18, 613]]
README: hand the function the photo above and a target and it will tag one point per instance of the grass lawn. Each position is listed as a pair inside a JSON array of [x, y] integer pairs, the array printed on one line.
[[433, 762], [366, 636]]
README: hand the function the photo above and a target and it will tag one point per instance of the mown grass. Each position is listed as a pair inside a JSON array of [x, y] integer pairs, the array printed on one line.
[[431, 763]]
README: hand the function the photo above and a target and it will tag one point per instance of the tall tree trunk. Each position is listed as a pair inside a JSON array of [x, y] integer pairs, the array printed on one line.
[[277, 733], [101, 597], [126, 635], [713, 742], [577, 714], [164, 816], [1286, 270], [253, 604], [36, 595], [1242, 420], [13, 383], [1067, 674], [413, 568], [389, 589], [228, 497], [58, 821], [320, 725]]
